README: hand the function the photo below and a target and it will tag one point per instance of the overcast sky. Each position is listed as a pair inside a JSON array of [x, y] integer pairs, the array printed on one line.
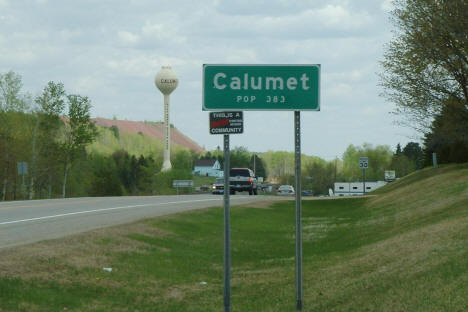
[[110, 51]]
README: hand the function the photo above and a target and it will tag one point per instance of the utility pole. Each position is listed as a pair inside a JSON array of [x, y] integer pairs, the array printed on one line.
[[254, 156], [334, 180]]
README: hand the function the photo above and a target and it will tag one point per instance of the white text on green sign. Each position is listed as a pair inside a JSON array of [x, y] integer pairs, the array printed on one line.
[[261, 87]]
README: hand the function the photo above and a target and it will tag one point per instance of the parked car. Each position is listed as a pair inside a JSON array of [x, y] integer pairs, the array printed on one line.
[[286, 190], [218, 186], [307, 193], [242, 179]]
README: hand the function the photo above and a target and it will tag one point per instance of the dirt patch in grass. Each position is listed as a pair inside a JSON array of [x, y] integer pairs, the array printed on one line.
[[52, 259], [180, 292], [175, 293], [258, 276], [264, 204]]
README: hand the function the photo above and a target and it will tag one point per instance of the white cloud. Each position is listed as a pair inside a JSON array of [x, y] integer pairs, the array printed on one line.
[[127, 38], [340, 90], [88, 84], [370, 111], [387, 5], [68, 34], [142, 64], [241, 55], [163, 32], [112, 52], [337, 15]]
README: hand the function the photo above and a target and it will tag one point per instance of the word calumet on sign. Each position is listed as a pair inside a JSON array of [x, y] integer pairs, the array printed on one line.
[[221, 81]]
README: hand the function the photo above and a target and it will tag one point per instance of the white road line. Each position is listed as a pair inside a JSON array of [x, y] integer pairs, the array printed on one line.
[[109, 209]]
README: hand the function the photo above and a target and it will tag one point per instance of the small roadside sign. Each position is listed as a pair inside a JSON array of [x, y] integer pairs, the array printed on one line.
[[182, 183], [363, 162], [389, 175], [22, 168], [226, 123]]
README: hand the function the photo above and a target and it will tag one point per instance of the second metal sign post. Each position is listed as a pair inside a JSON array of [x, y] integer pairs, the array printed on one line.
[[227, 123], [263, 87]]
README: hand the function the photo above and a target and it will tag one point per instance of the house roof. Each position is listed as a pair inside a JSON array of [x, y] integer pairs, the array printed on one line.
[[205, 162]]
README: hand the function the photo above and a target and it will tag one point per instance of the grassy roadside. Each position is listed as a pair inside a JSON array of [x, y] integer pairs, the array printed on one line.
[[403, 250]]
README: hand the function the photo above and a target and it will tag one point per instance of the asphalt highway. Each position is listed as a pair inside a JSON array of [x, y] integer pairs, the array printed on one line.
[[24, 222]]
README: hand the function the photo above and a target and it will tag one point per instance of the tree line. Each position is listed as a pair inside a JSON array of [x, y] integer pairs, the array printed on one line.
[[319, 175], [425, 73], [49, 132]]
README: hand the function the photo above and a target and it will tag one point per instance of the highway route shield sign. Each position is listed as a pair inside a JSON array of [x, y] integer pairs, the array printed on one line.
[[363, 162]]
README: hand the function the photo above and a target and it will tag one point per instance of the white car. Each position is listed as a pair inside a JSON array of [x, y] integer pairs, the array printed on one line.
[[286, 190], [218, 186]]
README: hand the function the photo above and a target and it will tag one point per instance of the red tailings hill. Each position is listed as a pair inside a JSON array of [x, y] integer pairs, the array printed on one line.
[[149, 129]]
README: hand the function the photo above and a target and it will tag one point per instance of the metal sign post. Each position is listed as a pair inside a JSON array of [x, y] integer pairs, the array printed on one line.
[[364, 181], [261, 87], [226, 123], [22, 171], [364, 164], [227, 233], [297, 151]]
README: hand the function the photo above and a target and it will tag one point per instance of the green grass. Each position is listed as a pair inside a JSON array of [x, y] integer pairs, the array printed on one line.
[[136, 144], [200, 180], [403, 250]]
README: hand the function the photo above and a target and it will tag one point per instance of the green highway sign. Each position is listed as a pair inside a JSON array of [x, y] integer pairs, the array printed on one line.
[[261, 87]]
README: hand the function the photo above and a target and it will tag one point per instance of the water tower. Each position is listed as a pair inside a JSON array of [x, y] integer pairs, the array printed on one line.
[[166, 81]]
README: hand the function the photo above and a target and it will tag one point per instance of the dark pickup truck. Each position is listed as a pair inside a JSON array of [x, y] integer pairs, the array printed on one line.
[[242, 179]]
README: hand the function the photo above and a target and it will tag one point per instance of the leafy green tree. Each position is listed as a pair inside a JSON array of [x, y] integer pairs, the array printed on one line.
[[407, 160], [425, 65], [448, 137], [162, 181], [46, 125], [115, 131], [256, 164], [278, 163], [79, 132], [182, 159], [126, 169], [146, 167], [207, 155], [379, 160], [402, 165], [11, 102], [81, 176], [413, 151], [398, 149], [239, 157], [105, 180], [318, 176], [10, 96]]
